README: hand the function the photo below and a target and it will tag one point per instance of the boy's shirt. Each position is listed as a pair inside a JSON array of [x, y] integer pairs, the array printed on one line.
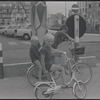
[[34, 54], [45, 50]]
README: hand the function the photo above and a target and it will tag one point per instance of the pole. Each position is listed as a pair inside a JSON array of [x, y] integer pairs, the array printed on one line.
[[1, 63], [76, 33]]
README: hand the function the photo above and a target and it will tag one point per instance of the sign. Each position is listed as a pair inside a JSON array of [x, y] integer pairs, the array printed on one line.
[[75, 8], [70, 24]]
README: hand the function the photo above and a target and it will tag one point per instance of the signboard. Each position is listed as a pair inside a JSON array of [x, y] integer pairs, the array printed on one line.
[[75, 8], [70, 24]]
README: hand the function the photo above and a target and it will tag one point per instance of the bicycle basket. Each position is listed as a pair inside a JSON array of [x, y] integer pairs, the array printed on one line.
[[78, 51]]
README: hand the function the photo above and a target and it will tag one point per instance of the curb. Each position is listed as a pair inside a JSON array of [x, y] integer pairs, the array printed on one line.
[[16, 70]]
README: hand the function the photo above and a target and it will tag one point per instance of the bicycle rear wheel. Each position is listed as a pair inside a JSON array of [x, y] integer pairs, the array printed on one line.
[[32, 75], [40, 92], [80, 90], [83, 72]]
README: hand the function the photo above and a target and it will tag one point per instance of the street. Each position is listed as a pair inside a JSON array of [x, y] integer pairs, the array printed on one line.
[[16, 50], [19, 88]]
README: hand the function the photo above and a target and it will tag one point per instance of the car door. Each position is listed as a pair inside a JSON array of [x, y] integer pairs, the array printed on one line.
[[9, 30]]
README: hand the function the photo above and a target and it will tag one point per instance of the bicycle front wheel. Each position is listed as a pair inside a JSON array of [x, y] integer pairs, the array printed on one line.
[[83, 72], [41, 90], [80, 90], [32, 75]]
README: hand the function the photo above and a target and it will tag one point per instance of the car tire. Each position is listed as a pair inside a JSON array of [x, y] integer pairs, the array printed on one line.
[[26, 36]]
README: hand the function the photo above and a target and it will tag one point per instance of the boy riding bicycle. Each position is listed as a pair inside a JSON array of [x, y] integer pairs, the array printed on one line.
[[34, 54], [46, 57]]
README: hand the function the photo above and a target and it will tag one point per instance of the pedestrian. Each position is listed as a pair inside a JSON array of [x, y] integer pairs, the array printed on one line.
[[46, 57], [34, 54]]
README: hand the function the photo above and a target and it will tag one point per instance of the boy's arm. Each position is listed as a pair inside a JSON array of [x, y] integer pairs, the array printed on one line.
[[56, 52], [68, 37]]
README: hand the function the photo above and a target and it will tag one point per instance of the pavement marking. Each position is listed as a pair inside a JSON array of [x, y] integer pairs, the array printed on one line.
[[26, 42], [92, 34], [88, 57], [12, 43], [17, 64]]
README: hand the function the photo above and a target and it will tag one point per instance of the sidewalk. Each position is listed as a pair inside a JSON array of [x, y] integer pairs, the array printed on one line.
[[90, 38], [19, 88]]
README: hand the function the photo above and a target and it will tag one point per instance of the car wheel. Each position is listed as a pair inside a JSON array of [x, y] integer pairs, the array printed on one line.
[[26, 37]]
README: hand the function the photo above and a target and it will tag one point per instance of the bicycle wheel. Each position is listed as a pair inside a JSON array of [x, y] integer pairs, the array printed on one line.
[[40, 92], [80, 90], [32, 75], [83, 72]]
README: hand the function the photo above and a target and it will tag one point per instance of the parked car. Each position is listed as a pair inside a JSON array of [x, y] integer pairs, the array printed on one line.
[[7, 27], [2, 29], [26, 33], [11, 30]]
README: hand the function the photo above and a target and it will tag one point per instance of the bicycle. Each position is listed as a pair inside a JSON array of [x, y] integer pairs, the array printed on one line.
[[32, 75], [82, 70], [45, 90]]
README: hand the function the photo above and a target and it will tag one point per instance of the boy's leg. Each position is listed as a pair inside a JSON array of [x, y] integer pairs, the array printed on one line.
[[37, 63], [59, 68]]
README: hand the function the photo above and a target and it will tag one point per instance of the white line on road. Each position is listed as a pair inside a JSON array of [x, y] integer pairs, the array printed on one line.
[[92, 34], [17, 64], [12, 43], [26, 42]]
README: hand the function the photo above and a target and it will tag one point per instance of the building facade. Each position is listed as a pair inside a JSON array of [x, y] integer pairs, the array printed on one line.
[[14, 12], [56, 20], [82, 8], [93, 12], [21, 12], [5, 12], [90, 10]]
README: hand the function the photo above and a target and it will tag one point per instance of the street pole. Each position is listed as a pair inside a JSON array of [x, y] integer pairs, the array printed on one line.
[[65, 10], [76, 34]]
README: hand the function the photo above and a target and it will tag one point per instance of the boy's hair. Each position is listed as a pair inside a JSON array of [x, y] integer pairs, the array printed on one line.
[[48, 36], [34, 38]]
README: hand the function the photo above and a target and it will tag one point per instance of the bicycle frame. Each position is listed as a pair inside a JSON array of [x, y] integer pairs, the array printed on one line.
[[52, 84], [68, 60]]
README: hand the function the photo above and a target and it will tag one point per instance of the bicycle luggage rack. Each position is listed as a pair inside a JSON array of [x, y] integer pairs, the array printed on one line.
[[78, 51]]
